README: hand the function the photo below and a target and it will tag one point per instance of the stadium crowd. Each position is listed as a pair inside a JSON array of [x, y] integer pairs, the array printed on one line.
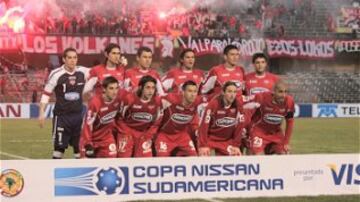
[[217, 19]]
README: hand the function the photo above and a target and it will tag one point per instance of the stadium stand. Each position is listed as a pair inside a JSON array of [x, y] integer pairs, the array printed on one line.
[[324, 87]]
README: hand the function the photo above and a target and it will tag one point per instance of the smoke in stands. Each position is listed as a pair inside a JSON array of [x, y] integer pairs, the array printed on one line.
[[314, 44]]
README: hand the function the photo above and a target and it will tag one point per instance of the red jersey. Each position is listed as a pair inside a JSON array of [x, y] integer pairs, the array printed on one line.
[[273, 114], [218, 76], [257, 84], [99, 120], [139, 115], [175, 77], [178, 118], [220, 123], [98, 73], [133, 76]]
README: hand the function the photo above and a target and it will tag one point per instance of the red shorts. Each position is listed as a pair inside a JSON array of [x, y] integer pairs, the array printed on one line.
[[133, 143], [103, 149], [260, 142], [222, 148], [165, 144]]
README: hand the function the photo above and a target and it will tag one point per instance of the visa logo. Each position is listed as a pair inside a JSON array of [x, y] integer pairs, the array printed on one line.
[[346, 174]]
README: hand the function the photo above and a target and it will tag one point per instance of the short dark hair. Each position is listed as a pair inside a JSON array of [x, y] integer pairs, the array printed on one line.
[[259, 55], [229, 48], [143, 49], [109, 80], [188, 83], [70, 49], [143, 81], [186, 50], [227, 84]]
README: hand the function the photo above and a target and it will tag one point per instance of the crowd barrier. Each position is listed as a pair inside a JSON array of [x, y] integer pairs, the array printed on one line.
[[333, 110]]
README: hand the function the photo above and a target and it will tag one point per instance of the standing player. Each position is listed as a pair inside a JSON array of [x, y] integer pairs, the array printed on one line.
[[229, 71], [111, 67], [68, 83], [260, 80], [97, 139], [139, 120], [180, 119], [133, 75], [274, 107], [175, 77], [257, 82], [222, 124]]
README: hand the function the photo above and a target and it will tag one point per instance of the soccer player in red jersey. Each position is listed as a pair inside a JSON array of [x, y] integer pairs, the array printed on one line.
[[133, 75], [273, 107], [139, 120], [221, 127], [257, 82], [229, 71], [113, 66], [180, 119], [260, 80], [97, 139], [175, 77]]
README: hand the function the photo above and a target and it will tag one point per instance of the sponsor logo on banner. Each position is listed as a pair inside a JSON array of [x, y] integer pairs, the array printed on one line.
[[345, 174], [327, 110], [303, 110], [158, 179], [14, 110], [91, 181], [11, 183], [336, 110]]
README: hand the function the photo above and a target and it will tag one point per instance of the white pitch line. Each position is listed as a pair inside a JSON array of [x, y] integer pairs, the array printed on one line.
[[13, 155], [212, 200], [29, 141]]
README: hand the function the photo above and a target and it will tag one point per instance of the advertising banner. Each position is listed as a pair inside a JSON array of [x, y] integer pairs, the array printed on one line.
[[171, 178]]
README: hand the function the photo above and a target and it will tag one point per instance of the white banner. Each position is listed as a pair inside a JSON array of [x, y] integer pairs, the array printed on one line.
[[174, 178], [336, 110], [14, 110]]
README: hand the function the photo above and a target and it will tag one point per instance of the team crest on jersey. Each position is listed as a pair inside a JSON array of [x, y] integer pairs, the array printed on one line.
[[274, 119], [181, 118], [226, 122], [268, 108], [221, 112], [72, 80], [104, 109], [137, 106], [179, 107], [142, 117]]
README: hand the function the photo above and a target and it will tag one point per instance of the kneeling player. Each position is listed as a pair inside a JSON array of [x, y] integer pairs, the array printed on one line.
[[266, 134], [180, 119], [97, 139], [139, 120], [221, 126]]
